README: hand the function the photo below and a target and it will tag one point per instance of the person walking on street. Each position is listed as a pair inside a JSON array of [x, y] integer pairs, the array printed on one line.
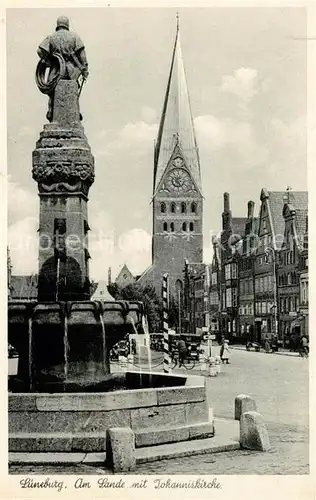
[[182, 348], [267, 345], [225, 352]]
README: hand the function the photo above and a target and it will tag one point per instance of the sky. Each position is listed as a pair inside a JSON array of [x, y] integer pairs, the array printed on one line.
[[246, 71]]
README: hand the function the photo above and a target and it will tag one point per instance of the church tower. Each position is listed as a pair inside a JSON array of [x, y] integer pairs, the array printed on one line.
[[177, 195]]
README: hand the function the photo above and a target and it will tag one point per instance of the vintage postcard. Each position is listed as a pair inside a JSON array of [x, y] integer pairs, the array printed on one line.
[[156, 250]]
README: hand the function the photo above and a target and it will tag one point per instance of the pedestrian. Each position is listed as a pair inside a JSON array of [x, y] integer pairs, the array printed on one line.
[[267, 346], [304, 344], [274, 343], [225, 352], [182, 349]]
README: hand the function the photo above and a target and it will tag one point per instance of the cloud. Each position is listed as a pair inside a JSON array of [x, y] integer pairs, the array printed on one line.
[[25, 131], [21, 203], [215, 134], [244, 83], [148, 114], [132, 247], [135, 240], [23, 244], [292, 133], [137, 138]]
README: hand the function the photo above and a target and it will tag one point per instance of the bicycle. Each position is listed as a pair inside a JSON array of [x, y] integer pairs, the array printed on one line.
[[188, 362]]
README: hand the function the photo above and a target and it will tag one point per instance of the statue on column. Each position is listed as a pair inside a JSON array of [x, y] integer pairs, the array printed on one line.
[[62, 57]]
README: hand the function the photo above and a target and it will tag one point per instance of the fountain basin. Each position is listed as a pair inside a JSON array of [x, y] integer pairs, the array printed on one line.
[[173, 408], [58, 342]]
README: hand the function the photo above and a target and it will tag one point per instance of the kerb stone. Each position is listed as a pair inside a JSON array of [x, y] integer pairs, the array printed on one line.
[[253, 432], [244, 403], [120, 449]]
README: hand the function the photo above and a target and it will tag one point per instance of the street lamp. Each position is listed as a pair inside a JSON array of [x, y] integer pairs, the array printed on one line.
[[271, 250]]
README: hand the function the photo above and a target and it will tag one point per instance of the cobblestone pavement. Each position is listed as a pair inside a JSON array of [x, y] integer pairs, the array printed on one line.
[[279, 384]]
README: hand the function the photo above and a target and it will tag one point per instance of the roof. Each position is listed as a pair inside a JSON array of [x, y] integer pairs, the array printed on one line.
[[23, 287], [301, 221], [125, 277], [102, 293], [176, 125], [238, 225], [299, 200]]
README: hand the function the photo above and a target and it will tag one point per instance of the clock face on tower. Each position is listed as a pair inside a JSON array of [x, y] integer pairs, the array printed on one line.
[[178, 180]]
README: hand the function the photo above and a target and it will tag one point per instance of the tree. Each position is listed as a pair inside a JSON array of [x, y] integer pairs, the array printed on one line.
[[147, 295], [152, 303]]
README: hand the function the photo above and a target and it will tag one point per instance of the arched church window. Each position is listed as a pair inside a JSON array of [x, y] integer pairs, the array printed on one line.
[[191, 226], [173, 207], [165, 226], [162, 207], [183, 208], [184, 226], [193, 208], [172, 227]]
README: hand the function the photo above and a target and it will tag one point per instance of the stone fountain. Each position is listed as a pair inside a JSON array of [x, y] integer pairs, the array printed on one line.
[[59, 401], [64, 339]]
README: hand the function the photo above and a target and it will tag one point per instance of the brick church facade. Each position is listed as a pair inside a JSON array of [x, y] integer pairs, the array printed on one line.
[[177, 200]]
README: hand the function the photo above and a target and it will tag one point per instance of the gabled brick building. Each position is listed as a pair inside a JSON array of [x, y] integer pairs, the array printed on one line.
[[271, 230], [246, 276], [289, 259], [230, 243]]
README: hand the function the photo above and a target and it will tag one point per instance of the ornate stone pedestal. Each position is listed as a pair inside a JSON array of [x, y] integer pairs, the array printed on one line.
[[63, 167]]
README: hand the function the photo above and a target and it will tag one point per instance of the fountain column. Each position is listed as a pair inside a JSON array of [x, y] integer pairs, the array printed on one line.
[[63, 168]]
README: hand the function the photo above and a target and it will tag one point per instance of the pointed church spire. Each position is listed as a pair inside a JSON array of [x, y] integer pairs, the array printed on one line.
[[176, 125]]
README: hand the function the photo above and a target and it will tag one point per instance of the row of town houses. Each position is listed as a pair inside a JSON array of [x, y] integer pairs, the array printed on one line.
[[257, 283]]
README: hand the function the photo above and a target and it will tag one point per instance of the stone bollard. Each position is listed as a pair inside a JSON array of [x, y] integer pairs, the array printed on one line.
[[253, 432], [120, 449], [244, 403], [218, 363], [123, 364], [212, 367], [202, 361]]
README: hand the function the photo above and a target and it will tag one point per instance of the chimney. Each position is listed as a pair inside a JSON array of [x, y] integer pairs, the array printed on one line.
[[226, 202], [251, 207], [110, 276]]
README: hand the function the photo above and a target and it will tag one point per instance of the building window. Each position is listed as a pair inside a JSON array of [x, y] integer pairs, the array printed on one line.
[[162, 207], [265, 283], [184, 226], [165, 226], [234, 297], [172, 227], [193, 208], [228, 297], [183, 208], [191, 226], [227, 272], [214, 298], [173, 207], [214, 278], [234, 271]]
